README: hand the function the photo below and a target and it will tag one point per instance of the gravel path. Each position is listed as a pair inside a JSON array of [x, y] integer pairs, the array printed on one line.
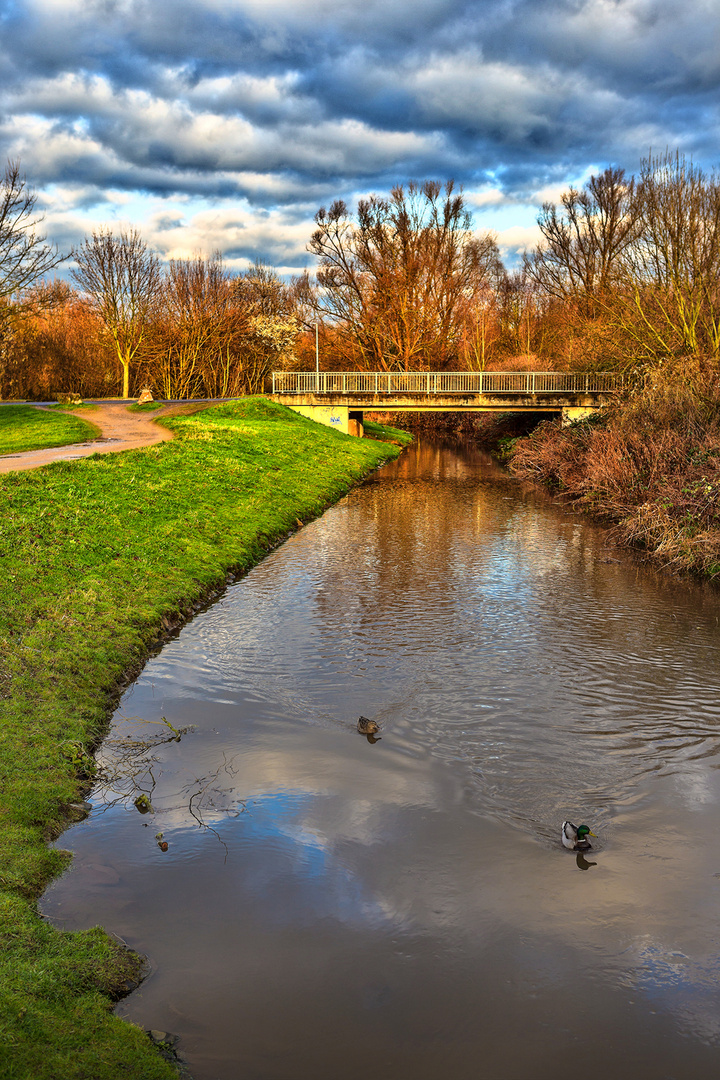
[[119, 430]]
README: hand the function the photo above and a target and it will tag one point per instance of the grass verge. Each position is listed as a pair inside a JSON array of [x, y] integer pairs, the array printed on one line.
[[101, 557], [23, 427]]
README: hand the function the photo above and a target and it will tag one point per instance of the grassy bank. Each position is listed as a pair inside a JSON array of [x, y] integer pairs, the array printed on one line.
[[100, 557], [651, 465], [386, 434], [23, 427]]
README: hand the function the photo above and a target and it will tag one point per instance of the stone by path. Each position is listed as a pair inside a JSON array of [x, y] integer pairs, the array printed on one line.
[[119, 430]]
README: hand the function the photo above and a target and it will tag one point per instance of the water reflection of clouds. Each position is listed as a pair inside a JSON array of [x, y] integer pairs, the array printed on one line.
[[309, 831], [409, 861], [517, 684], [675, 983], [323, 886]]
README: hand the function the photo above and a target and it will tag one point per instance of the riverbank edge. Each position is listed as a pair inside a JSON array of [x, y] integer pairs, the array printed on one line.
[[59, 988], [648, 466]]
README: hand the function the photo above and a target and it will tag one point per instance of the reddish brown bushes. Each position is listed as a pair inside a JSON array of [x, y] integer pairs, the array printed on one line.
[[651, 465]]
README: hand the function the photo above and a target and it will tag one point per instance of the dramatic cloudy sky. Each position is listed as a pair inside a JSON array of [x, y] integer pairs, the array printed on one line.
[[227, 123]]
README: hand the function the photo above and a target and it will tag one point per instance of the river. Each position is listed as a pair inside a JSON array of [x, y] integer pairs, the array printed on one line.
[[330, 907]]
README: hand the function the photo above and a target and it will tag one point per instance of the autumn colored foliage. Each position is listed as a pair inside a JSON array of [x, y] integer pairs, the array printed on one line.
[[626, 277], [651, 465]]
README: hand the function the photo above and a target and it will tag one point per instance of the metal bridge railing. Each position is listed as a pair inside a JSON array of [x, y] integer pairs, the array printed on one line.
[[445, 382]]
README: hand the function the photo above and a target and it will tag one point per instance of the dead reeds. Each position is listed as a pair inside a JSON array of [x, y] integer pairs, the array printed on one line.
[[651, 465]]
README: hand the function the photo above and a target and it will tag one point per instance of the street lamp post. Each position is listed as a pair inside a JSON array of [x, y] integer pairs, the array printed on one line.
[[317, 361]]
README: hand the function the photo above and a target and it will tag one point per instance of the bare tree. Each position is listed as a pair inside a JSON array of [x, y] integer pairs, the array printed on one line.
[[216, 335], [584, 239], [482, 330], [672, 272], [121, 277], [194, 329], [270, 325], [395, 283], [25, 256]]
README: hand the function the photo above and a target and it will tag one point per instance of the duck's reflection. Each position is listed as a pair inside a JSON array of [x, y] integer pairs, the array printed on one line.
[[582, 862]]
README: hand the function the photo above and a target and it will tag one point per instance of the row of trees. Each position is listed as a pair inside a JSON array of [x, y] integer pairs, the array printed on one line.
[[187, 329], [627, 274], [202, 333], [635, 263]]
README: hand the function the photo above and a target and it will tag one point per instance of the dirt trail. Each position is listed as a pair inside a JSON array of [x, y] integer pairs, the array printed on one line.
[[119, 430]]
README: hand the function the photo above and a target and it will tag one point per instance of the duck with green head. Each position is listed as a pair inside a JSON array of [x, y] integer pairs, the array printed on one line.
[[576, 839]]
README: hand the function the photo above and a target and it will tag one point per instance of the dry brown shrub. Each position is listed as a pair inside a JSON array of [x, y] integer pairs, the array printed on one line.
[[651, 464], [56, 345], [521, 362]]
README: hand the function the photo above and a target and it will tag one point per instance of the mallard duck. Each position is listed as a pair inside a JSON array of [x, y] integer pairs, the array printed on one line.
[[576, 839], [367, 727]]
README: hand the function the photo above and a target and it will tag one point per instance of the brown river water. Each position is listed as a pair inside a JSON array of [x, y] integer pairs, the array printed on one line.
[[330, 908]]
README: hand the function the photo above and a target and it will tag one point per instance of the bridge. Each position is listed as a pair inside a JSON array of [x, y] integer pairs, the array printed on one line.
[[340, 398]]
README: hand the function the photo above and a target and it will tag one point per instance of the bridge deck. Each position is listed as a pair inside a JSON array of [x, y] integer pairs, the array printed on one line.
[[446, 390], [445, 382]]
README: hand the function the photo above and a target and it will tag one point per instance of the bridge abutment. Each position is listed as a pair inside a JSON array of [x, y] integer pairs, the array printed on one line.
[[334, 416], [355, 423], [340, 417]]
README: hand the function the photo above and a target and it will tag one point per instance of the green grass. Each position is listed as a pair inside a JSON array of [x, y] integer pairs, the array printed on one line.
[[386, 433], [99, 557], [23, 427]]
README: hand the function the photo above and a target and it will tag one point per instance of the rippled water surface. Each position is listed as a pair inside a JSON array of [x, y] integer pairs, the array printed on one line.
[[331, 908]]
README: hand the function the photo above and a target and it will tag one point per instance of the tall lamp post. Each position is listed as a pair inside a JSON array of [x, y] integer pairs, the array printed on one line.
[[317, 361]]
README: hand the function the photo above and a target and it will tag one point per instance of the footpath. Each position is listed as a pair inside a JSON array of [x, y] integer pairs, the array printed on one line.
[[119, 430]]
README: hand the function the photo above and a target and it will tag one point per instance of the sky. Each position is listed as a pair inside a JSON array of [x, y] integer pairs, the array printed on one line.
[[226, 124]]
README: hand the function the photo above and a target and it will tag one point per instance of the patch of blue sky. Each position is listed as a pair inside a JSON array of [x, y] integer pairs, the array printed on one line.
[[279, 847]]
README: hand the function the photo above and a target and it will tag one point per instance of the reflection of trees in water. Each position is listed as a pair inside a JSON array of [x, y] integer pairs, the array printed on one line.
[[492, 623], [126, 776], [441, 514], [423, 528]]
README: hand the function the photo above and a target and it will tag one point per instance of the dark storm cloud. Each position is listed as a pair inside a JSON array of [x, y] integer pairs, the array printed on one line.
[[285, 101]]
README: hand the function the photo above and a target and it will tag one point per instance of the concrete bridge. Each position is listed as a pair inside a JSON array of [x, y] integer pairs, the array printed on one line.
[[340, 398]]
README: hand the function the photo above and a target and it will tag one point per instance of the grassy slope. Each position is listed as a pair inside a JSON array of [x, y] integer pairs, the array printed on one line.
[[381, 431], [98, 557], [23, 427]]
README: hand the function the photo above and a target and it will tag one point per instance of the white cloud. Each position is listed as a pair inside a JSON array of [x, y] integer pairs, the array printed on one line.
[[553, 192], [518, 238], [487, 197], [236, 233], [275, 102], [236, 230], [486, 95]]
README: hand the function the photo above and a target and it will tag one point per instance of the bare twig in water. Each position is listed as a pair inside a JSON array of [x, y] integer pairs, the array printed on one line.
[[126, 772]]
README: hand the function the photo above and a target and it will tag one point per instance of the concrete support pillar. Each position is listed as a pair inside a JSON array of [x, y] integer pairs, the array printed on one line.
[[355, 423]]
